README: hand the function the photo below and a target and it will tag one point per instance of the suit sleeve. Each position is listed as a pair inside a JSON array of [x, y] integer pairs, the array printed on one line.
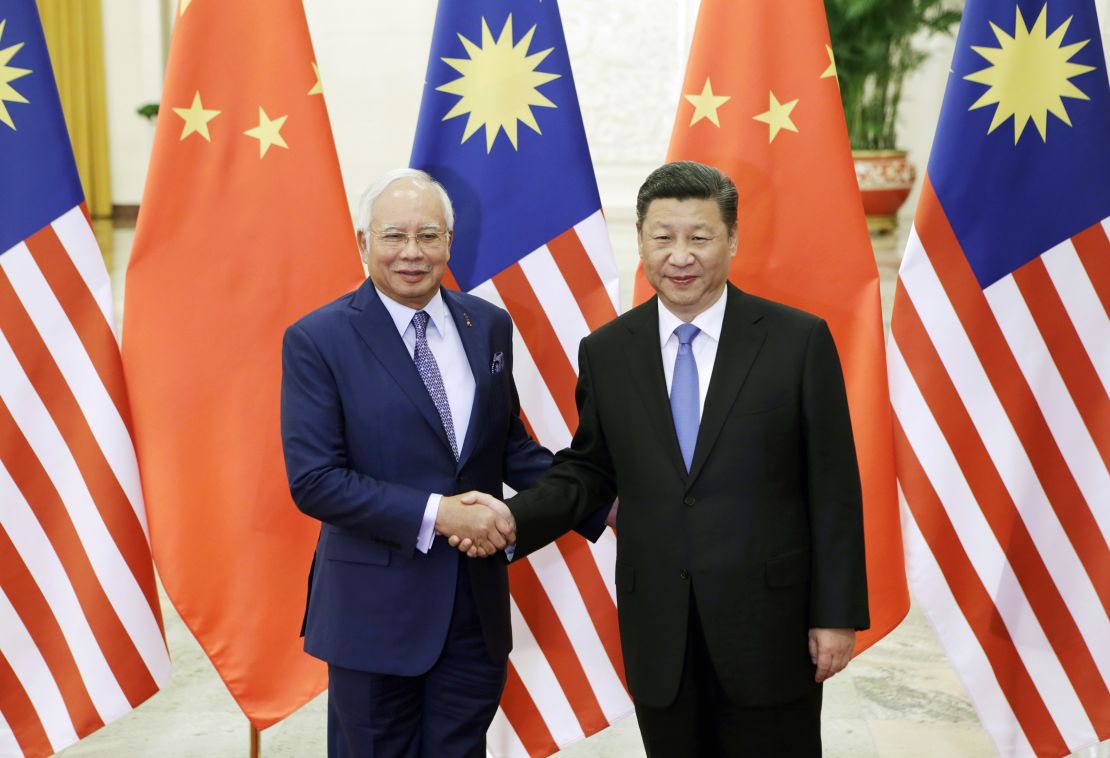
[[580, 484], [526, 460], [320, 479], [838, 578]]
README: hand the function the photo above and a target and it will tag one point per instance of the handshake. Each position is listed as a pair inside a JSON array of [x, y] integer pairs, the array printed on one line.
[[476, 523]]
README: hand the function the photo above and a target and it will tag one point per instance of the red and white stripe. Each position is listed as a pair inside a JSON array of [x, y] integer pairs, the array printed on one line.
[[81, 641], [566, 676], [1001, 399]]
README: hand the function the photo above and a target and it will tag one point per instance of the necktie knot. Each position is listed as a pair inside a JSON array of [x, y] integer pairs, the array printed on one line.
[[420, 323], [686, 333]]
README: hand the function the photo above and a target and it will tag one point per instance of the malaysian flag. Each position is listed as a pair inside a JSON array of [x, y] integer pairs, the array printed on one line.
[[501, 129], [81, 641], [999, 362]]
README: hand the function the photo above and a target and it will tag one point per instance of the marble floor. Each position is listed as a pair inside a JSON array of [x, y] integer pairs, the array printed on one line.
[[900, 699]]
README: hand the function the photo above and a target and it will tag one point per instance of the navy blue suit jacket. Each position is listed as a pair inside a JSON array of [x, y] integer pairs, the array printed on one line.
[[364, 447]]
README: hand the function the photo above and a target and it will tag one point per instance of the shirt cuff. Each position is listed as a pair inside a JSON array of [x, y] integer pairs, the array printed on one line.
[[427, 531]]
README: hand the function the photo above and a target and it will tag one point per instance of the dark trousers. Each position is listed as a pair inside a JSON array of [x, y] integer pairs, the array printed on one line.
[[703, 721], [443, 713]]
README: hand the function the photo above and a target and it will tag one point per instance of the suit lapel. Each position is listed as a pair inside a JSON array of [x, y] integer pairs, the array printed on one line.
[[741, 338], [475, 339], [645, 361], [376, 328]]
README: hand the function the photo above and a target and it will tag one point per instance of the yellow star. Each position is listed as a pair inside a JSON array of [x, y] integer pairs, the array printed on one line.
[[183, 6], [498, 84], [831, 70], [777, 116], [9, 74], [706, 104], [318, 87], [268, 132], [196, 118], [1029, 74]]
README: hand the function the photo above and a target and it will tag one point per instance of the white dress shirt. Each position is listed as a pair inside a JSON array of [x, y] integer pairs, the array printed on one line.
[[458, 380], [704, 344]]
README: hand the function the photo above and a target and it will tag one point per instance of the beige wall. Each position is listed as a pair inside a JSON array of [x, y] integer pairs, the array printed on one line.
[[133, 63]]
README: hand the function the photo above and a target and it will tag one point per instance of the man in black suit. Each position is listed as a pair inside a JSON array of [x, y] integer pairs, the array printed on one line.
[[720, 419]]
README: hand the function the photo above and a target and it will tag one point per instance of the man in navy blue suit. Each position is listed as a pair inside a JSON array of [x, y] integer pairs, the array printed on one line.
[[397, 399]]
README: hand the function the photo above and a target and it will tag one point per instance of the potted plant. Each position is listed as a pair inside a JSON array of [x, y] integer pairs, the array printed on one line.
[[877, 43]]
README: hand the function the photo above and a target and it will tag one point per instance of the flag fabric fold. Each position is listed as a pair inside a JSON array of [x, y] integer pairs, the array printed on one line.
[[500, 127], [999, 363], [81, 640], [761, 102], [244, 227]]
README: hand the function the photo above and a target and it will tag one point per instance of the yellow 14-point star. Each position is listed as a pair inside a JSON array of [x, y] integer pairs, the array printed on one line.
[[9, 74], [196, 118], [268, 132], [706, 104], [1029, 74], [498, 84], [777, 116]]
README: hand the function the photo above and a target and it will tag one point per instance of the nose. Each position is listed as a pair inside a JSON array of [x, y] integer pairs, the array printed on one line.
[[681, 255], [410, 249]]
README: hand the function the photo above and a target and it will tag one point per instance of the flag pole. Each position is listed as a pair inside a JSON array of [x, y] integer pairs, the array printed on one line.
[[256, 742]]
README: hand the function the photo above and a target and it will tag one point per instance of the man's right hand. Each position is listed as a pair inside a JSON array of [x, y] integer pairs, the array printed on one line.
[[478, 532]]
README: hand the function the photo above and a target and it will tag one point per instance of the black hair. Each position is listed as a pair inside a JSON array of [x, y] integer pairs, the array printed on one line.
[[689, 180]]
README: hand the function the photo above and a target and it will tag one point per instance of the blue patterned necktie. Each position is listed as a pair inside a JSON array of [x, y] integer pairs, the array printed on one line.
[[429, 372], [684, 393]]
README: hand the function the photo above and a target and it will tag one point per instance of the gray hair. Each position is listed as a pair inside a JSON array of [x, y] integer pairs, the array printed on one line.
[[423, 178]]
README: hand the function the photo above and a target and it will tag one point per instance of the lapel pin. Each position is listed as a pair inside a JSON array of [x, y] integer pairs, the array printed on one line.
[[466, 318]]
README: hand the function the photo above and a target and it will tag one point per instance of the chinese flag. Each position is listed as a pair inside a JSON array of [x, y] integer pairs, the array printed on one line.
[[761, 103], [244, 227]]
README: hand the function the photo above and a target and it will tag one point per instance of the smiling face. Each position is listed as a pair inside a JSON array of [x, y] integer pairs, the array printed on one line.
[[686, 249], [409, 274]]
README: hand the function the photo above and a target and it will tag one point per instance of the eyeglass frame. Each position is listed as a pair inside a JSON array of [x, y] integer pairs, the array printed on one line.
[[443, 238]]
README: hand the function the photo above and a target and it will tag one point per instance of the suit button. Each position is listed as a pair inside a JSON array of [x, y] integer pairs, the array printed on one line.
[[684, 574], [690, 500]]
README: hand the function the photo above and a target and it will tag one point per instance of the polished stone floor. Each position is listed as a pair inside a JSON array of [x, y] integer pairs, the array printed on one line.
[[900, 699]]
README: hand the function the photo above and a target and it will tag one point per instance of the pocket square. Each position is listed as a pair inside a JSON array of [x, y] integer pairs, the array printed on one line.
[[498, 363]]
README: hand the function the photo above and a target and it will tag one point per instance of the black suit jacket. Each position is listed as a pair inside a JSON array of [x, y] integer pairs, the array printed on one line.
[[766, 529]]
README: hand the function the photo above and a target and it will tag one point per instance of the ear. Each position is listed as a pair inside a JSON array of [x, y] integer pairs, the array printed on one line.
[[733, 242], [363, 250], [640, 240]]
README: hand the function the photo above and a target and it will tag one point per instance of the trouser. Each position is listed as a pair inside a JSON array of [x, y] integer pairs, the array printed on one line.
[[442, 713], [703, 721]]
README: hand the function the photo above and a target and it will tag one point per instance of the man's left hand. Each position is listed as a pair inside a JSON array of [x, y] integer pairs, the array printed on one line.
[[830, 650]]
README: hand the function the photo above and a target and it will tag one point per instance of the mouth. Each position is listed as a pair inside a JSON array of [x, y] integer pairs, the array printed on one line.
[[411, 275], [682, 281]]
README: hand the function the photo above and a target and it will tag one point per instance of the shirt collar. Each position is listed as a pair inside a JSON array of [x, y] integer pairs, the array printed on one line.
[[402, 314], [708, 321]]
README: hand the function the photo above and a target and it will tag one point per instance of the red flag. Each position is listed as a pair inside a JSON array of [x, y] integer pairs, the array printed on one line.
[[761, 103], [244, 228]]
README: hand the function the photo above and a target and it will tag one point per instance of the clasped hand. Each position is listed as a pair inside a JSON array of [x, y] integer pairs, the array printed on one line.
[[476, 523]]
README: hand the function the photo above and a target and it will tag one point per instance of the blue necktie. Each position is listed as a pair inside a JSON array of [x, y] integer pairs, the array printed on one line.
[[429, 372], [684, 393]]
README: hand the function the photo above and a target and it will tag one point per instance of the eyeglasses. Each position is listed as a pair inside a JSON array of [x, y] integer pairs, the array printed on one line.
[[428, 241]]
